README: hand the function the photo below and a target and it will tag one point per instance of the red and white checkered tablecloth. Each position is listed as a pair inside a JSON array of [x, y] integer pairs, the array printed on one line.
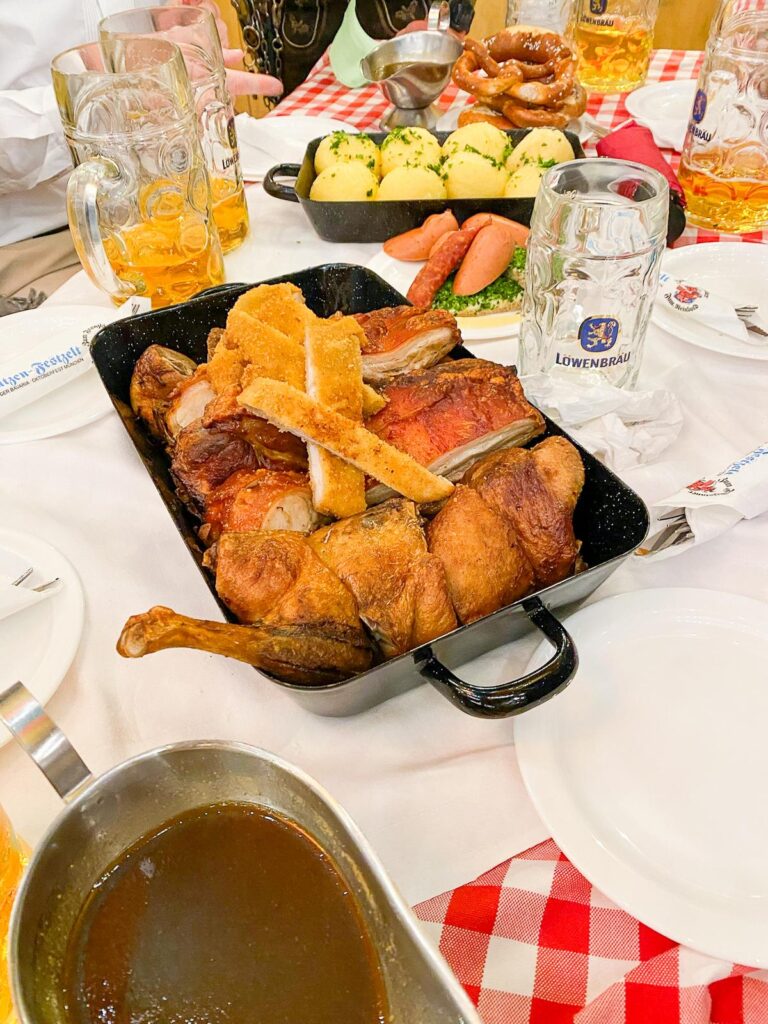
[[534, 943], [531, 940], [322, 95]]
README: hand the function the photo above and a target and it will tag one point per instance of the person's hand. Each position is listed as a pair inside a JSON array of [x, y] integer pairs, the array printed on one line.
[[239, 82]]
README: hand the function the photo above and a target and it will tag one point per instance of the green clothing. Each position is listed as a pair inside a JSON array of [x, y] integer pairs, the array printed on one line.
[[348, 48]]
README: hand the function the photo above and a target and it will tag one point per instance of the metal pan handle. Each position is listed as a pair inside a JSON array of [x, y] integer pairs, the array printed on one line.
[[275, 188], [45, 743], [521, 694]]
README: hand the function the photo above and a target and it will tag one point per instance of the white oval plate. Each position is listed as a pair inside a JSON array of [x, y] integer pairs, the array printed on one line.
[[650, 768], [73, 405], [39, 643], [735, 270], [400, 275], [665, 108]]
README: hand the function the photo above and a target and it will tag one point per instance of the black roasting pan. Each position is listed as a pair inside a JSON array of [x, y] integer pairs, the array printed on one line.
[[610, 519], [378, 221]]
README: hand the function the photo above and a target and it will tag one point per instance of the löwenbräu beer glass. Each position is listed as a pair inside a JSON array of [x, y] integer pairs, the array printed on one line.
[[613, 41], [138, 201], [598, 232], [724, 166], [193, 30]]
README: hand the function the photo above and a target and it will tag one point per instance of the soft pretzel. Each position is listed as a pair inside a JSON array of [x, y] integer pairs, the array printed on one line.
[[534, 117], [478, 113], [466, 75]]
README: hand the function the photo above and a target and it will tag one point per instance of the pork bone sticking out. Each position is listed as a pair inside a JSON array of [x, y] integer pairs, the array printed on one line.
[[448, 416], [400, 339], [157, 374], [262, 499], [301, 621], [302, 598]]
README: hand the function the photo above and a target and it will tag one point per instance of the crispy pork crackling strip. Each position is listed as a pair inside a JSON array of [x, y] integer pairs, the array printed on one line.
[[334, 378], [296, 412], [250, 342]]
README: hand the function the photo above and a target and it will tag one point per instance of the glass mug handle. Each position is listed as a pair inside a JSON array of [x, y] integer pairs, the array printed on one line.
[[85, 183]]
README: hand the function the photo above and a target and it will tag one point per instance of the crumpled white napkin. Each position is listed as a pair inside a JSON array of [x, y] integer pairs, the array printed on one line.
[[623, 428], [709, 506], [691, 301], [16, 599], [266, 141]]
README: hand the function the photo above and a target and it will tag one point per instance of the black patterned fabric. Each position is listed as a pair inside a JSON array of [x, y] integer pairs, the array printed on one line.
[[287, 37]]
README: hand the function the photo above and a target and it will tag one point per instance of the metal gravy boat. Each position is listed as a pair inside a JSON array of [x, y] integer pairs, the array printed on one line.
[[412, 70], [106, 814]]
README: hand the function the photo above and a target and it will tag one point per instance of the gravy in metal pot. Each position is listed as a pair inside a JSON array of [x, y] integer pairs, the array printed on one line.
[[228, 914]]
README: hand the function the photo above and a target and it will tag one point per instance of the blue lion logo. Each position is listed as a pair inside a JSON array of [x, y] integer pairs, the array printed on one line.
[[699, 106], [597, 6], [599, 333]]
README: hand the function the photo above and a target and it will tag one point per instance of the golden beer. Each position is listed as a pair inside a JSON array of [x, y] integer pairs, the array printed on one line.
[[612, 58], [171, 254], [12, 860], [724, 164], [230, 212], [724, 194]]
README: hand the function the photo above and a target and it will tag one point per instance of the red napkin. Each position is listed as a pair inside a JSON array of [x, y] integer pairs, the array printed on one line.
[[634, 142]]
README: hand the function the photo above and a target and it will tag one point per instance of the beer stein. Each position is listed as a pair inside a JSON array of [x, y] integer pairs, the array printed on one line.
[[613, 41], [138, 201], [724, 166], [193, 30]]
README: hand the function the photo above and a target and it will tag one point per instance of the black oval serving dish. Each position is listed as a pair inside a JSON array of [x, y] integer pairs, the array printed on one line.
[[378, 221], [610, 519]]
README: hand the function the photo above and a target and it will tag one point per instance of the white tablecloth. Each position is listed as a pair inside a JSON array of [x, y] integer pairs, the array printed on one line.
[[438, 793]]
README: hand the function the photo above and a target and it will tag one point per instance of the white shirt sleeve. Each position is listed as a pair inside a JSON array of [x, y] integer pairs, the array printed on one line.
[[32, 147]]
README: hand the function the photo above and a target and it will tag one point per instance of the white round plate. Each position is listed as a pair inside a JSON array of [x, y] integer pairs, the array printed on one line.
[[400, 275], [73, 405], [665, 108], [650, 768], [266, 141], [39, 643], [736, 271]]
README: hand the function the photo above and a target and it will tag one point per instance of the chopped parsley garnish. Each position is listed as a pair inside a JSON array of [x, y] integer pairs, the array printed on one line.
[[337, 138], [504, 289], [372, 163], [544, 164], [369, 193], [485, 156]]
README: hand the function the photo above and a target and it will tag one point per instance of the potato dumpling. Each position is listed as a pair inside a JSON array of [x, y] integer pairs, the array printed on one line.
[[344, 183], [414, 146], [412, 183], [471, 176], [541, 145], [485, 138], [524, 181], [341, 147]]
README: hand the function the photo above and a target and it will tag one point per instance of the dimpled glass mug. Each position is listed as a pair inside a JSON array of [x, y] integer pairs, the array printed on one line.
[[139, 200], [613, 41], [598, 232], [193, 30], [724, 166]]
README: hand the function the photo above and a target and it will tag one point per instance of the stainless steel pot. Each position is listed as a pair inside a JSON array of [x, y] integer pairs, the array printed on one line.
[[105, 815]]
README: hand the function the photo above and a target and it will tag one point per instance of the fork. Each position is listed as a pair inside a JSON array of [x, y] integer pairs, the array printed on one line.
[[745, 314], [676, 531]]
